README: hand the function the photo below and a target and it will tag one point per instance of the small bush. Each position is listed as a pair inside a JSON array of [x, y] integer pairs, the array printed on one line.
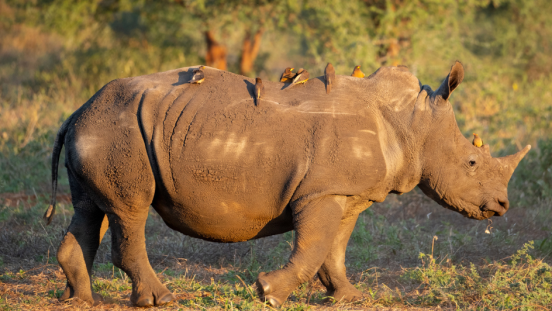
[[523, 283]]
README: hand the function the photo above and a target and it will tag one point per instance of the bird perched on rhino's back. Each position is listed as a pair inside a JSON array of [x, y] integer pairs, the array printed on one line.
[[199, 76], [259, 88], [329, 75], [357, 73], [301, 77], [287, 75], [477, 141]]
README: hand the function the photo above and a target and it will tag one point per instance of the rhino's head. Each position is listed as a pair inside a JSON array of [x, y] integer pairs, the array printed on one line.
[[455, 173]]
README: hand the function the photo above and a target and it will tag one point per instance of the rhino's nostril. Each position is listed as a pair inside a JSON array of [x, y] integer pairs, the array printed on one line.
[[504, 203], [496, 208]]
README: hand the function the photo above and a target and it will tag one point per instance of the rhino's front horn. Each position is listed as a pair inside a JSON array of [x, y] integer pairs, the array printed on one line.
[[509, 163]]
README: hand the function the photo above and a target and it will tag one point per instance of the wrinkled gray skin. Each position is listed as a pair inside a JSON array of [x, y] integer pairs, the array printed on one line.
[[216, 167]]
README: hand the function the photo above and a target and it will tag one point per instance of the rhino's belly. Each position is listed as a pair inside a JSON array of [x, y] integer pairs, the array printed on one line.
[[231, 187], [222, 221]]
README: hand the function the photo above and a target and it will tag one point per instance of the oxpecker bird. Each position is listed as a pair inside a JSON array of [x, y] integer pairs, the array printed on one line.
[[198, 76], [259, 88], [329, 75], [477, 141], [301, 77], [287, 75], [357, 73]]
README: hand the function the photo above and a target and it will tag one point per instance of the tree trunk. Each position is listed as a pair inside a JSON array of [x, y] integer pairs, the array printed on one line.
[[250, 51], [216, 52]]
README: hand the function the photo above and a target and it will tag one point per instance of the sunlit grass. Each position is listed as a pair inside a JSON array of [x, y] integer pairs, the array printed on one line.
[[392, 258], [519, 281]]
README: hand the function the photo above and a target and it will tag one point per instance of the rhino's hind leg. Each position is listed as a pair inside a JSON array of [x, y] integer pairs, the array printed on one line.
[[316, 225], [129, 254], [80, 244], [332, 273]]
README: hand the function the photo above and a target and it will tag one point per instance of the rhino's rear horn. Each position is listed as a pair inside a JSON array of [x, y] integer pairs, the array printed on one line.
[[486, 149]]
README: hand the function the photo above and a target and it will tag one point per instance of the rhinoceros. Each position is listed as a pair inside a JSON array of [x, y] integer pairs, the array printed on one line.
[[217, 167]]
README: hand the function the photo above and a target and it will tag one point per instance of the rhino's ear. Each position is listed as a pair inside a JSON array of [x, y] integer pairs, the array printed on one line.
[[452, 81]]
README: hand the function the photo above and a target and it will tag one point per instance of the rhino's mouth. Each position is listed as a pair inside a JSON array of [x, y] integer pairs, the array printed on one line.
[[491, 208], [487, 214]]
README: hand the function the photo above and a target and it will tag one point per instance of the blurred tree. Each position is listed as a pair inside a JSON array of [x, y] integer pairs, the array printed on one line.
[[250, 49], [253, 16], [505, 45], [216, 52]]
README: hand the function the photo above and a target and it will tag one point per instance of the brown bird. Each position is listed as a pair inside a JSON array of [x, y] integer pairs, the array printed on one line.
[[357, 72], [259, 88], [329, 75], [198, 76], [301, 77], [287, 75], [477, 141]]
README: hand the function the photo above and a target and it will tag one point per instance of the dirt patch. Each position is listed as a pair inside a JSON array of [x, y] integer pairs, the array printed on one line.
[[14, 199]]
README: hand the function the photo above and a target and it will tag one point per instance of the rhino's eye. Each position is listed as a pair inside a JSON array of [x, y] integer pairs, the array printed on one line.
[[472, 162]]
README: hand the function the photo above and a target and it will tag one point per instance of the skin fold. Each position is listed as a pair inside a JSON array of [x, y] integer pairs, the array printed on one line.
[[217, 167]]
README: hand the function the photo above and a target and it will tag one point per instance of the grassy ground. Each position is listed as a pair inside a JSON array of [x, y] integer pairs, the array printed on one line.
[[405, 253]]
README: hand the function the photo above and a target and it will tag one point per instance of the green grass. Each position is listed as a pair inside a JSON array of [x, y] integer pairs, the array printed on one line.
[[392, 257], [519, 282]]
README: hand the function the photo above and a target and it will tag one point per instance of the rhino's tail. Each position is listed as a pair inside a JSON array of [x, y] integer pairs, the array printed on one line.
[[58, 144]]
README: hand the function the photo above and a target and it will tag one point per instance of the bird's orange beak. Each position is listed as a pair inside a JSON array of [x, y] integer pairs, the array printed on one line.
[[291, 69], [474, 134]]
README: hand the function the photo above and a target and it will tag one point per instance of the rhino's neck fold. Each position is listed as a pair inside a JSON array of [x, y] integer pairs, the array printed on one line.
[[401, 138]]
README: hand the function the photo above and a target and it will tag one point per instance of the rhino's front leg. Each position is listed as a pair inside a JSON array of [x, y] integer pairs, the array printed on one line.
[[333, 272], [316, 225]]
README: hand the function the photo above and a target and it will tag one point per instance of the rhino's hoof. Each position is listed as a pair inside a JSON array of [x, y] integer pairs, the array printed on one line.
[[69, 295], [165, 299], [273, 301], [66, 294], [267, 293], [262, 285], [144, 302], [348, 294]]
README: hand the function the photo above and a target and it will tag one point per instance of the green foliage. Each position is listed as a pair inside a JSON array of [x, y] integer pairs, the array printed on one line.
[[55, 293], [363, 248], [533, 178], [544, 245], [280, 254], [524, 283], [103, 286], [26, 163]]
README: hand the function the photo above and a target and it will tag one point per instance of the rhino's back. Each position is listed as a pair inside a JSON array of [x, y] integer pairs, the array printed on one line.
[[215, 154], [211, 138]]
